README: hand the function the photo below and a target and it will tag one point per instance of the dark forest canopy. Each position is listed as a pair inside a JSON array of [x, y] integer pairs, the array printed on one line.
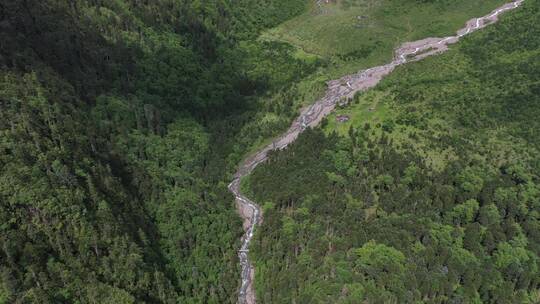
[[115, 117]]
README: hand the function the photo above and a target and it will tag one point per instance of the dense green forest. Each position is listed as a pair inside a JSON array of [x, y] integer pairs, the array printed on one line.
[[120, 122], [355, 34], [433, 198]]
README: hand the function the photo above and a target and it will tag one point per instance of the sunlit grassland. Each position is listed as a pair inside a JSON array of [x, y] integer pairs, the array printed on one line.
[[377, 110], [361, 33]]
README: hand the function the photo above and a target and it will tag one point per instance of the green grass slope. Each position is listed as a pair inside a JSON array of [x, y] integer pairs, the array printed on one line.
[[360, 33]]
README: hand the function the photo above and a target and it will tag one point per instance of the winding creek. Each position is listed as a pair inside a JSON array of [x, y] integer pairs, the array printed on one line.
[[311, 116]]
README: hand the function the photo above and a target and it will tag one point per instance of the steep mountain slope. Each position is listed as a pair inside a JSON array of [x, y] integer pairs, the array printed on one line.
[[109, 165]]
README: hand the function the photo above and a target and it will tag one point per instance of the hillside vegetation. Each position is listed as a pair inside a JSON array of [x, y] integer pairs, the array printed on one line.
[[121, 123], [118, 122], [429, 194]]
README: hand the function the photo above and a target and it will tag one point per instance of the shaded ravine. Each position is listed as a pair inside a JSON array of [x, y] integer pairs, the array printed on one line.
[[338, 91]]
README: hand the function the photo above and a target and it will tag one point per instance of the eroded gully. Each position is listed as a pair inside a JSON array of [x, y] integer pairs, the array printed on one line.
[[311, 116]]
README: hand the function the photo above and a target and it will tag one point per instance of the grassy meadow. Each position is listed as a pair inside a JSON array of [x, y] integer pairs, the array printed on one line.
[[355, 34]]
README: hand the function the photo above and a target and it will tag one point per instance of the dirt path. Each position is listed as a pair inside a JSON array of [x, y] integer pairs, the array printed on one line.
[[311, 116]]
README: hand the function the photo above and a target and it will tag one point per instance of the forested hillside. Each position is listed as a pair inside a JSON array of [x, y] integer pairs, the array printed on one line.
[[119, 123], [430, 193]]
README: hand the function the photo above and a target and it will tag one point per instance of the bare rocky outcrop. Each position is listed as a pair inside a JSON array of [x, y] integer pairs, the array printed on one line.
[[343, 88]]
